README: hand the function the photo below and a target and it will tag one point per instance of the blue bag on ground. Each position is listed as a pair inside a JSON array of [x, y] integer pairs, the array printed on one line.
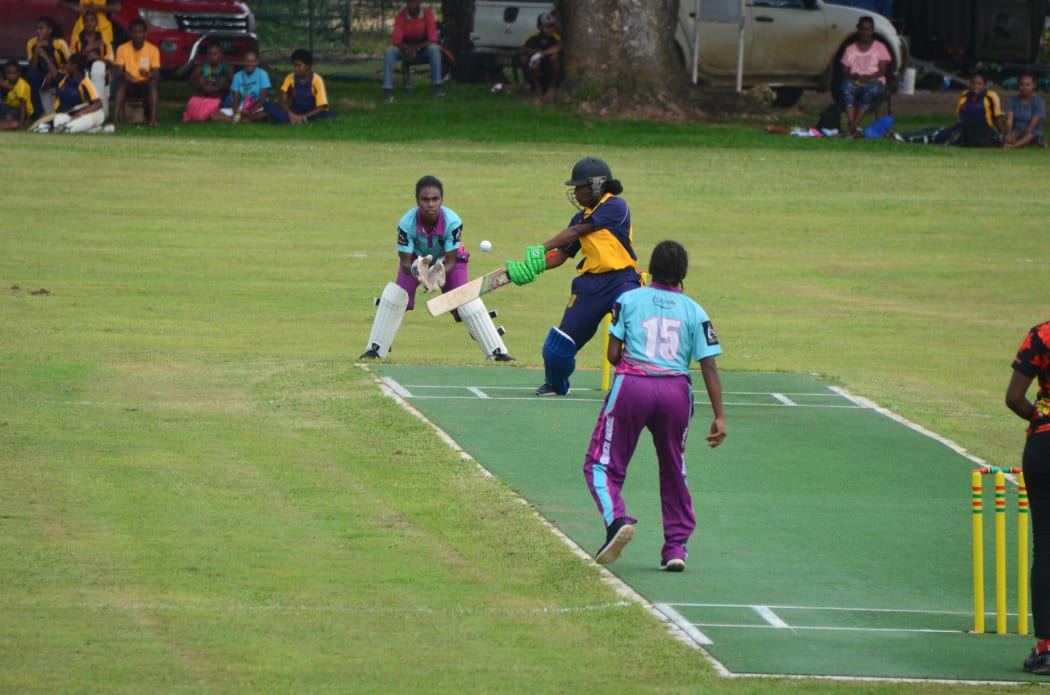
[[879, 128]]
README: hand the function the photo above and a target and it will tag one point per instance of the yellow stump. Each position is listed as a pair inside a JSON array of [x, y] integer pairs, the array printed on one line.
[[976, 503], [1022, 556], [1000, 552]]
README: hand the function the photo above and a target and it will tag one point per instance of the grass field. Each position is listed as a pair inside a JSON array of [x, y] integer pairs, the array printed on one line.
[[199, 492]]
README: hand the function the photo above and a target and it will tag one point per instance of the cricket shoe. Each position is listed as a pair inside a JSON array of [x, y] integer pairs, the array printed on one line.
[[1038, 663], [618, 535], [675, 564], [369, 355], [548, 390], [502, 357]]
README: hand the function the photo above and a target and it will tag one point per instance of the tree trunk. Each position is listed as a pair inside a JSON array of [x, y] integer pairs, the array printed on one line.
[[621, 60], [456, 17]]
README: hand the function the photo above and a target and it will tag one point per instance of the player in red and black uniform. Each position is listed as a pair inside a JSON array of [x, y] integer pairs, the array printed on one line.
[[602, 231], [1033, 363]]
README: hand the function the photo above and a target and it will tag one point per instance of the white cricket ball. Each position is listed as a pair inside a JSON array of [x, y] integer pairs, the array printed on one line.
[[486, 246]]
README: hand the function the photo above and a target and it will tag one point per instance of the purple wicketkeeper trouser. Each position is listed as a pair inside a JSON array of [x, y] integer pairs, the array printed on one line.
[[457, 278], [663, 405]]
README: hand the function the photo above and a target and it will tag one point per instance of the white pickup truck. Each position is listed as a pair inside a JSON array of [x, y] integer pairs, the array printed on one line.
[[790, 45]]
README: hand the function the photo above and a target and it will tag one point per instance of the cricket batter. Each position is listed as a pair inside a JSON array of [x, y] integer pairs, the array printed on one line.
[[602, 231], [656, 333], [1032, 363], [431, 253]]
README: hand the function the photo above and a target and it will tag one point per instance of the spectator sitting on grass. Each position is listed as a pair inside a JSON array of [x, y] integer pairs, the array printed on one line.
[[303, 96], [48, 54], [92, 44], [1025, 113], [16, 96], [249, 91], [211, 80]]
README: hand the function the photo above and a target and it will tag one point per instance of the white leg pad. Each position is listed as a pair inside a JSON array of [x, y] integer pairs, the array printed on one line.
[[392, 306], [480, 326]]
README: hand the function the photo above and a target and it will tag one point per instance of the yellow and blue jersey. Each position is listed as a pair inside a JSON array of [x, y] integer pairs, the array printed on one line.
[[18, 96], [663, 331], [72, 93], [306, 96], [610, 246], [105, 50], [58, 51]]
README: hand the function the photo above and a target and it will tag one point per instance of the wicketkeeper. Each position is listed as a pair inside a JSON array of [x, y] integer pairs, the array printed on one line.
[[432, 256], [602, 232]]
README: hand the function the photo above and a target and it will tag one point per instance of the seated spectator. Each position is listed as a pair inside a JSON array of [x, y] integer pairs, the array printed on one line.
[[211, 79], [137, 64], [90, 43], [303, 96], [980, 120], [1025, 113], [541, 57], [17, 99], [100, 8], [415, 34], [980, 116], [78, 108], [48, 54], [249, 90], [865, 62]]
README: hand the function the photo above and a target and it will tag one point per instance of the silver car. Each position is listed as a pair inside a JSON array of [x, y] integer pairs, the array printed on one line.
[[790, 45]]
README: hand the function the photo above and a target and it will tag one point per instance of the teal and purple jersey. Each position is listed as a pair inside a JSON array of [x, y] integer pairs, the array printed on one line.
[[663, 331], [446, 237]]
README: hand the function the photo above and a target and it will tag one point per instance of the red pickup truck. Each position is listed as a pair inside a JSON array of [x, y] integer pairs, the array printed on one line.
[[177, 27]]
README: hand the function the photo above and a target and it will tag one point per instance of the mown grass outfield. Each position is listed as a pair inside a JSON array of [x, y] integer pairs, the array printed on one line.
[[199, 492]]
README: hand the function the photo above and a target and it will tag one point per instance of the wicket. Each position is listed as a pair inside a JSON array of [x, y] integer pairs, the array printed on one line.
[[977, 504]]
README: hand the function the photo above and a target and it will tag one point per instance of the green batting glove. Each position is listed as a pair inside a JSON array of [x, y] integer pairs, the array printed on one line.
[[520, 273], [536, 258]]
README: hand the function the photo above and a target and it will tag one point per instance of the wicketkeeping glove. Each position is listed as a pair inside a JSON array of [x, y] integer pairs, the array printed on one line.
[[435, 276], [420, 265], [520, 273], [536, 259]]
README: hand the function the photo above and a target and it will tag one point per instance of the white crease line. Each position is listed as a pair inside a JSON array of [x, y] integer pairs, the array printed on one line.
[[478, 392], [770, 617], [397, 388], [783, 399], [683, 624], [828, 628]]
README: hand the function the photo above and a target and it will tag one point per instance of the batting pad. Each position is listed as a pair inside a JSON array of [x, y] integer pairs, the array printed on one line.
[[559, 360], [480, 326], [392, 306]]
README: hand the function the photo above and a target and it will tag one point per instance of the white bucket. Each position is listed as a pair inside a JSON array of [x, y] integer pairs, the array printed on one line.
[[907, 85]]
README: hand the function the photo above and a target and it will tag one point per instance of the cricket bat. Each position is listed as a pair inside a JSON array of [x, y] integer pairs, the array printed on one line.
[[453, 299]]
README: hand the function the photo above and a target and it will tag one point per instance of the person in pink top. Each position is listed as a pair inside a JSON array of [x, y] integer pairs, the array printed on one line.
[[865, 63]]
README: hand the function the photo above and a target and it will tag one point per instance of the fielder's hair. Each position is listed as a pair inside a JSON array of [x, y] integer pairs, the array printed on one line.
[[669, 263], [55, 27], [427, 182], [81, 61], [303, 56]]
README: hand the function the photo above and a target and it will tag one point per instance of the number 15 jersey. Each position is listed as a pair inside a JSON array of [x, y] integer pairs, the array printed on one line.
[[663, 331]]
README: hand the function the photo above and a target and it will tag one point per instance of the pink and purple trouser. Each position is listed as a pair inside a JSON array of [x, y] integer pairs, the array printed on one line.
[[664, 406]]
